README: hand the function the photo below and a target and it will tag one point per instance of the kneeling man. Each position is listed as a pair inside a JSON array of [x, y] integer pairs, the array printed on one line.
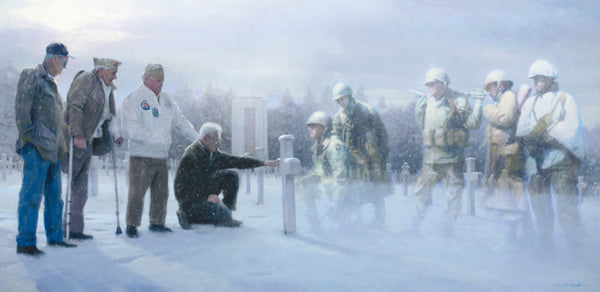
[[203, 173]]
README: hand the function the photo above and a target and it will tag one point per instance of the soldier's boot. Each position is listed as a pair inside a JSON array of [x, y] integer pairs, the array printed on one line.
[[512, 220], [545, 247], [511, 233], [379, 215], [448, 229]]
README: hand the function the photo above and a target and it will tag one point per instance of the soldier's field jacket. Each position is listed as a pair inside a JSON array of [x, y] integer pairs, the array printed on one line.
[[361, 130], [195, 172], [500, 133], [445, 123], [330, 162], [39, 114], [565, 126]]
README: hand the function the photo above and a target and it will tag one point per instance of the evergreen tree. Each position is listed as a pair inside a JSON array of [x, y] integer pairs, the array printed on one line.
[[289, 119], [8, 89], [325, 102]]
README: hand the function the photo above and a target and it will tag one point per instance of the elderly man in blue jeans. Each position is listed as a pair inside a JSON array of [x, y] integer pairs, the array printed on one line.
[[39, 119]]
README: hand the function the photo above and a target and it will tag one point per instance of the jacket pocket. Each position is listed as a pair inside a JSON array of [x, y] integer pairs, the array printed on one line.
[[44, 138]]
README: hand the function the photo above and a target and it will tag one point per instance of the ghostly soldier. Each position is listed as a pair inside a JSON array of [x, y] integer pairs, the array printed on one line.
[[361, 130], [445, 118], [329, 175], [552, 130], [505, 190]]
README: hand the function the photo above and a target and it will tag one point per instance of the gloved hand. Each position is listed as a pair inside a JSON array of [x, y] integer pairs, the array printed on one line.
[[549, 141], [372, 151], [542, 124], [360, 158]]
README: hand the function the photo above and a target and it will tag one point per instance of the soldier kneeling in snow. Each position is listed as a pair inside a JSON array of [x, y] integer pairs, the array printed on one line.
[[202, 174], [329, 174]]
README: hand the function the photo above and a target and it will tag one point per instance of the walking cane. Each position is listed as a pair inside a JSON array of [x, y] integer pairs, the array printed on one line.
[[67, 215], [114, 159]]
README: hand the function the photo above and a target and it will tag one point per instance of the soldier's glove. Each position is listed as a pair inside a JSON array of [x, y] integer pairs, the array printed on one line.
[[550, 141], [361, 158], [542, 124], [533, 143], [309, 180]]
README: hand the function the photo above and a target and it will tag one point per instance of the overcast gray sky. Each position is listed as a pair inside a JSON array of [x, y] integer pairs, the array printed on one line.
[[262, 48]]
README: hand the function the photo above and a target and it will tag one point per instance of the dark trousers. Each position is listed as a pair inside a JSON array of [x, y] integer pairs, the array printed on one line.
[[226, 181], [79, 189]]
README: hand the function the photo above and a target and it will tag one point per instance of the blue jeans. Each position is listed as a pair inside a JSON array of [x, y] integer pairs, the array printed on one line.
[[40, 177]]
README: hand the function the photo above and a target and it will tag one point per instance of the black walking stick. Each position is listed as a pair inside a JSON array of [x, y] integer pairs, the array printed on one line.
[[114, 159]]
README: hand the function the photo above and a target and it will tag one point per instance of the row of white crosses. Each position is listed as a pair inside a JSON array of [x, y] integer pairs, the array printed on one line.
[[7, 165], [290, 167]]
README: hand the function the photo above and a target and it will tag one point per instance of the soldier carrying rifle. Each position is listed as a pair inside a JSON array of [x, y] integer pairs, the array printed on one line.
[[359, 127], [504, 185], [445, 118]]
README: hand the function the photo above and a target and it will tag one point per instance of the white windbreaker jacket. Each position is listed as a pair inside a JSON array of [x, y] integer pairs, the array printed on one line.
[[147, 123]]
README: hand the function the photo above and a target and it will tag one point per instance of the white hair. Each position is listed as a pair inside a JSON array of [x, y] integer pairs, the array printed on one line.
[[103, 67], [209, 128]]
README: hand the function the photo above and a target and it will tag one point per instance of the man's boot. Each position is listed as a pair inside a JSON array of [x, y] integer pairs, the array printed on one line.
[[183, 222]]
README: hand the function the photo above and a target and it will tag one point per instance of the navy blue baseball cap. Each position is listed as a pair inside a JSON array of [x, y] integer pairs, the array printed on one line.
[[58, 49]]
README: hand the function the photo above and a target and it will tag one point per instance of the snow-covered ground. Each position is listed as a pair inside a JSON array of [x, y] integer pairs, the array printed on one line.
[[258, 256]]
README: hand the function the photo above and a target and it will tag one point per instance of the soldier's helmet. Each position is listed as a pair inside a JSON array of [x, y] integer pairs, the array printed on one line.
[[320, 118], [340, 90], [543, 68], [496, 76], [437, 74]]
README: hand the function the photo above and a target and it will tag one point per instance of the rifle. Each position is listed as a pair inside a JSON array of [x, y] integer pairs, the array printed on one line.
[[477, 94], [418, 93]]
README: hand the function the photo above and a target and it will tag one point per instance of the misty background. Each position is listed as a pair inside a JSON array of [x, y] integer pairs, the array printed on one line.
[[292, 52]]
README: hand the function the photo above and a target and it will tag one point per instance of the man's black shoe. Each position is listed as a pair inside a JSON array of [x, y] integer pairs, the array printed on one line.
[[80, 236], [131, 231], [61, 244], [29, 250], [185, 224], [229, 223], [159, 228]]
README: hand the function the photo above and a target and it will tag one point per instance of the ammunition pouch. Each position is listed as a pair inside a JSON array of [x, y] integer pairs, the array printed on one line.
[[514, 160], [458, 137], [511, 149], [497, 135], [443, 138], [439, 138]]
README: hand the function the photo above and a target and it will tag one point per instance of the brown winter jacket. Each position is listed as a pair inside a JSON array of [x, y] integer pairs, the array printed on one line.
[[85, 105]]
